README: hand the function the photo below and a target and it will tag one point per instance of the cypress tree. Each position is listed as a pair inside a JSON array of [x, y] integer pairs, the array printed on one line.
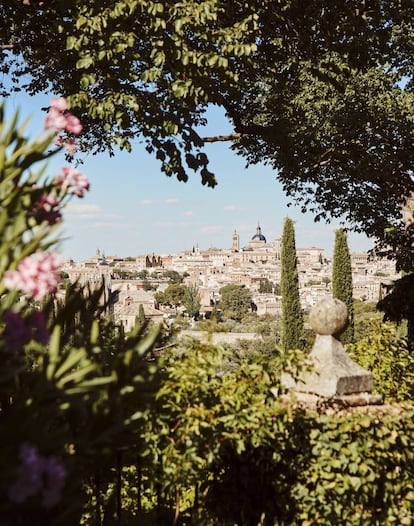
[[342, 281], [292, 316], [141, 316]]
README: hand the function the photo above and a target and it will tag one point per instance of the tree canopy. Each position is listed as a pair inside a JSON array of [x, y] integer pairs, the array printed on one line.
[[322, 91], [235, 301], [173, 295]]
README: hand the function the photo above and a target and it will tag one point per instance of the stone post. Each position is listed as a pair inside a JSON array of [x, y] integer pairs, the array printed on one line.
[[332, 373]]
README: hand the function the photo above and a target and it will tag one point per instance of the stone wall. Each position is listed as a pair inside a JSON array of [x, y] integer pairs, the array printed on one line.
[[217, 338]]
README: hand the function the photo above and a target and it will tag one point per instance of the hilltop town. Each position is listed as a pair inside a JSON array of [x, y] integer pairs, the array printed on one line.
[[136, 279]]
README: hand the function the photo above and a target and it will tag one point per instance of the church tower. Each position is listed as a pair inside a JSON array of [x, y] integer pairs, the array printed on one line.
[[235, 247]]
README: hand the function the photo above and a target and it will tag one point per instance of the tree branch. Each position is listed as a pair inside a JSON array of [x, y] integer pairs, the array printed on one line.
[[222, 138]]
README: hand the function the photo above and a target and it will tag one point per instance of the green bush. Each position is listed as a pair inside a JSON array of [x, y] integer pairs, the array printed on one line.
[[97, 428], [389, 359], [249, 457]]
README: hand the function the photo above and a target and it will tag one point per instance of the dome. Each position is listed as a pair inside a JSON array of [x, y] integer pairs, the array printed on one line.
[[258, 236]]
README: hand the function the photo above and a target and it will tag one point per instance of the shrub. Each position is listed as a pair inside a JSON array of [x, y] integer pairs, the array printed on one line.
[[73, 388], [389, 359]]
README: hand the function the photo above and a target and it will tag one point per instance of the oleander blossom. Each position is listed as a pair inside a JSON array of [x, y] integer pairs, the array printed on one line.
[[16, 333], [46, 209], [73, 181], [36, 275], [38, 327], [59, 118], [69, 145], [29, 474], [20, 330], [37, 475], [54, 479]]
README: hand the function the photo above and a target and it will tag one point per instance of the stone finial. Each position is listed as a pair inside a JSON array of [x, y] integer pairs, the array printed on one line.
[[329, 316], [332, 373]]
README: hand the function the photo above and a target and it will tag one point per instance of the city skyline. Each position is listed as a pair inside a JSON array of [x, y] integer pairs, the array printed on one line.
[[134, 209]]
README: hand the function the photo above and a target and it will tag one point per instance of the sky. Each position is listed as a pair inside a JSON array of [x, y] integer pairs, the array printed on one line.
[[134, 209]]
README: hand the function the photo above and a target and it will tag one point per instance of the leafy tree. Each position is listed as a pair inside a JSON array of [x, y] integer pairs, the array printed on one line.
[[265, 286], [141, 316], [342, 281], [191, 301], [235, 301], [292, 316], [173, 295], [173, 276], [143, 274], [146, 285], [322, 91], [398, 305]]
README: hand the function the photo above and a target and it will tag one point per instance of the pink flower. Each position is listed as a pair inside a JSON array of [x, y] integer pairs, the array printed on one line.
[[69, 145], [73, 124], [38, 327], [60, 119], [29, 474], [19, 331], [55, 119], [73, 181], [46, 210], [59, 103], [16, 333], [37, 475], [36, 275], [55, 475]]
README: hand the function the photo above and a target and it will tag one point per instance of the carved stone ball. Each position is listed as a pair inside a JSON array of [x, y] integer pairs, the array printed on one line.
[[329, 316]]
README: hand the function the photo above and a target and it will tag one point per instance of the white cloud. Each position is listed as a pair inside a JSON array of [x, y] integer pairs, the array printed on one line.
[[114, 225], [83, 210], [188, 213], [88, 211], [211, 229], [167, 201], [246, 227], [170, 224]]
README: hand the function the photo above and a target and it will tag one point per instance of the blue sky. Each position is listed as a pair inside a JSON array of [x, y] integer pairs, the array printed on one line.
[[134, 209]]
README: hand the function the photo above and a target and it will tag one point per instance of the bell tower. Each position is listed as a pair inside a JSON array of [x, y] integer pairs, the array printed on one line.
[[235, 247]]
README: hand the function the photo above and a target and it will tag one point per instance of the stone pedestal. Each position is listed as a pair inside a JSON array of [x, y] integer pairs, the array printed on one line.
[[331, 372]]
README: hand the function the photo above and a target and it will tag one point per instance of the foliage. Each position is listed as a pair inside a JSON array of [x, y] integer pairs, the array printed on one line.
[[268, 287], [208, 407], [94, 425], [265, 286], [389, 359], [342, 288], [292, 316], [235, 301], [358, 471], [73, 388], [174, 277], [398, 304], [257, 460], [366, 319], [173, 295], [192, 301], [143, 274], [323, 93], [141, 316]]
